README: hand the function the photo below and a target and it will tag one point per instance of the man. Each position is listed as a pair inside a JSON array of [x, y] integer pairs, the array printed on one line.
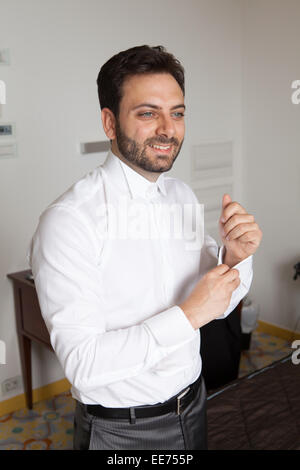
[[124, 311]]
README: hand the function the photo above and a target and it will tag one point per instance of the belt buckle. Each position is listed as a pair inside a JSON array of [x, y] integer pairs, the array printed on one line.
[[179, 398]]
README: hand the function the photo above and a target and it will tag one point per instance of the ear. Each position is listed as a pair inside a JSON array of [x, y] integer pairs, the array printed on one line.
[[109, 123]]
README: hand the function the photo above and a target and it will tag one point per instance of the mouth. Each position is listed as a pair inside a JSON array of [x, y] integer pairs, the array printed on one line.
[[162, 149]]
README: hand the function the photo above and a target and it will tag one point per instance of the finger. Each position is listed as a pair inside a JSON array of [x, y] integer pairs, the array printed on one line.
[[248, 237], [240, 230], [232, 275], [236, 220], [235, 283], [230, 210], [226, 200], [221, 269]]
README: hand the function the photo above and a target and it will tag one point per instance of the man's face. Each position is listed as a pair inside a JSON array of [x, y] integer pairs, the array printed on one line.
[[150, 129]]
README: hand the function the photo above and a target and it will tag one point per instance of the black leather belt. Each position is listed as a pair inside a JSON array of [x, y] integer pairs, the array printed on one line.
[[177, 403]]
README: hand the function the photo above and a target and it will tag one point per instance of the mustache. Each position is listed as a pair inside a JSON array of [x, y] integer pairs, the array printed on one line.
[[162, 141]]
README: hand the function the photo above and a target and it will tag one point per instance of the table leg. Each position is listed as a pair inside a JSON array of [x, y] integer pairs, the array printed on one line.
[[25, 353], [24, 346]]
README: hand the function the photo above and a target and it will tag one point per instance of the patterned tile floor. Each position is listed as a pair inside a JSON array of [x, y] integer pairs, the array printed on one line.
[[49, 425], [264, 349]]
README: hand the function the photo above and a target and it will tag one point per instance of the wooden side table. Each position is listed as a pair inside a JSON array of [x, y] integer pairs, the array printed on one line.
[[30, 325]]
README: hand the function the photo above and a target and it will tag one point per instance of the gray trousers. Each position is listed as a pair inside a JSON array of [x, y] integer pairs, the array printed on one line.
[[187, 431]]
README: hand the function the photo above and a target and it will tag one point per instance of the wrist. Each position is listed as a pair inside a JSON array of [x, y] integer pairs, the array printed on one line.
[[189, 314], [196, 316], [229, 259]]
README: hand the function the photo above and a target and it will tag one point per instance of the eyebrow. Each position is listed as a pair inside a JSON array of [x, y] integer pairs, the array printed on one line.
[[153, 106]]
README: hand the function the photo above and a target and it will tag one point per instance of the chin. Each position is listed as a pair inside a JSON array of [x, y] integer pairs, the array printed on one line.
[[161, 168]]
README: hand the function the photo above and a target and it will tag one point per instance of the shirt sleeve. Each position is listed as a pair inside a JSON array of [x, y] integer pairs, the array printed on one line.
[[245, 269], [211, 256], [64, 256]]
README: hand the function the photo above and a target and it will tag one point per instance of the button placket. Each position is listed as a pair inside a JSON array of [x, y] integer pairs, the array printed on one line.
[[165, 243]]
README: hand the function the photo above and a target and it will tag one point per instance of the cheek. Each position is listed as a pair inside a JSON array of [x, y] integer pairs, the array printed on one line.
[[142, 133], [180, 131]]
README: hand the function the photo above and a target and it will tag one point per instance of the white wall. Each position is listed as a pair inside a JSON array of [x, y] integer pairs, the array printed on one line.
[[57, 48], [271, 137]]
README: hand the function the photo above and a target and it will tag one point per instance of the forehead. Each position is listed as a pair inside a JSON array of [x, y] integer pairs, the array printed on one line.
[[157, 89]]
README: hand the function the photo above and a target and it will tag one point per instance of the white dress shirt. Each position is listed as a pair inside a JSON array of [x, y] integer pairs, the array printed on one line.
[[110, 303]]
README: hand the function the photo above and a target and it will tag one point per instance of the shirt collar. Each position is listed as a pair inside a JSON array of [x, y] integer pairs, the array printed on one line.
[[138, 185]]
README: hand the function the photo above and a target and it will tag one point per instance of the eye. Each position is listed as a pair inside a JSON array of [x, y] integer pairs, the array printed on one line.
[[146, 114], [178, 115]]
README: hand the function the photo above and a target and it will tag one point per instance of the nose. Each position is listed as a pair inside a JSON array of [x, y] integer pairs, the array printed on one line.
[[166, 127]]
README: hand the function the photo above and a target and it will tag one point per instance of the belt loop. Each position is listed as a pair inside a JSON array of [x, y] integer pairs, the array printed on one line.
[[132, 416]]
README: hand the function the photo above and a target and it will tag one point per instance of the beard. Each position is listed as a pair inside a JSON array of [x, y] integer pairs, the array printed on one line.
[[136, 153]]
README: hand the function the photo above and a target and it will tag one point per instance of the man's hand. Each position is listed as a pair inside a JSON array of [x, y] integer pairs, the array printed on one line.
[[211, 296], [239, 232]]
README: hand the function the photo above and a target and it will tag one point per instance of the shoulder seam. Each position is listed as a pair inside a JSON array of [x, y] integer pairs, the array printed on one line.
[[66, 207]]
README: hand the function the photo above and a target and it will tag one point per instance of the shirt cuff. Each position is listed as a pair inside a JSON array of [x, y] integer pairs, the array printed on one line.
[[244, 267], [171, 327]]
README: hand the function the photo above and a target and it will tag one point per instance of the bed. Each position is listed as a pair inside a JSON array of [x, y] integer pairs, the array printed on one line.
[[258, 412]]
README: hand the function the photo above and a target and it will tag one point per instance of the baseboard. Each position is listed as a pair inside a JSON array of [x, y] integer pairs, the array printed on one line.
[[42, 393], [274, 330]]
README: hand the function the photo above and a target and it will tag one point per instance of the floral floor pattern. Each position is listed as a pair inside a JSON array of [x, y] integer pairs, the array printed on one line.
[[49, 425], [264, 349]]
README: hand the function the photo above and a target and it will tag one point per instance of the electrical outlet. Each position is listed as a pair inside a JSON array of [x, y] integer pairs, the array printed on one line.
[[11, 384]]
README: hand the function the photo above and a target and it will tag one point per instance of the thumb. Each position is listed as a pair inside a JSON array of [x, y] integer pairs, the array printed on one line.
[[226, 200]]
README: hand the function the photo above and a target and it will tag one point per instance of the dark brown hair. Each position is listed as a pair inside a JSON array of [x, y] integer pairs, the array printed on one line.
[[134, 61]]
